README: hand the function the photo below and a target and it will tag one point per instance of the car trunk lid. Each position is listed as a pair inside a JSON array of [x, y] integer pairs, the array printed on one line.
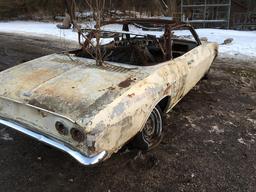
[[70, 86]]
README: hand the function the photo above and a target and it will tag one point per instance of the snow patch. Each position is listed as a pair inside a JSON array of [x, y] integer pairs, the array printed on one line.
[[191, 123], [252, 120], [243, 45], [209, 141], [216, 129], [5, 136], [241, 140], [38, 29]]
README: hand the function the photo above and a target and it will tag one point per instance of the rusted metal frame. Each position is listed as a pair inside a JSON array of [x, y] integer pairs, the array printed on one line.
[[126, 28], [154, 21], [80, 33], [168, 38], [167, 43], [91, 35], [167, 35], [120, 32], [132, 21], [148, 28], [88, 40], [192, 30]]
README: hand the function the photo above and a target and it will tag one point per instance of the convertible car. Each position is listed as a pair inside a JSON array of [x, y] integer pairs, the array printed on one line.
[[91, 109]]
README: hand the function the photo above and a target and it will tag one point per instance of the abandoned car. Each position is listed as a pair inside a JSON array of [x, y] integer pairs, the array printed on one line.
[[91, 108]]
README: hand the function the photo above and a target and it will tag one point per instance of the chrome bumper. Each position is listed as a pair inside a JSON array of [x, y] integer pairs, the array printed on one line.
[[57, 144]]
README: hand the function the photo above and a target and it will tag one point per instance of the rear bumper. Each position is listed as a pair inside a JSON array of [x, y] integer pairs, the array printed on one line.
[[83, 159]]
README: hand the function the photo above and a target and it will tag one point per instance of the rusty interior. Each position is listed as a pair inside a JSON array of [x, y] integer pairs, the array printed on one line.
[[140, 49]]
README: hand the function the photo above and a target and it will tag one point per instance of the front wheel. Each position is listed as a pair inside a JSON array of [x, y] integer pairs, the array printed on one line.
[[151, 135]]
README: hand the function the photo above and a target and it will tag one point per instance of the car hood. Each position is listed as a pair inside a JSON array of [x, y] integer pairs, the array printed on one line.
[[70, 86]]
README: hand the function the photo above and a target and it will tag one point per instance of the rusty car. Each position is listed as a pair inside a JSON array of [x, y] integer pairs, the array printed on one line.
[[91, 111]]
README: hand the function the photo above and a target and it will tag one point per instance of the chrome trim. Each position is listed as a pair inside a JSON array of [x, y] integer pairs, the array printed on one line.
[[84, 160]]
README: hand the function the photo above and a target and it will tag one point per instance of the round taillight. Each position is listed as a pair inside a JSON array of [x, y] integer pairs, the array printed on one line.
[[77, 135], [60, 127]]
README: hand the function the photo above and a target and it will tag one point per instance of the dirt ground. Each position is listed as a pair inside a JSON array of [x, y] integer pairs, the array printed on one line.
[[209, 142]]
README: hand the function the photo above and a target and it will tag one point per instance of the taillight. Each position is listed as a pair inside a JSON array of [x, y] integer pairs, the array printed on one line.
[[60, 127], [77, 135]]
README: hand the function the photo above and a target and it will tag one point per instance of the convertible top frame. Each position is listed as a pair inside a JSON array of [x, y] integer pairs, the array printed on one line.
[[166, 25]]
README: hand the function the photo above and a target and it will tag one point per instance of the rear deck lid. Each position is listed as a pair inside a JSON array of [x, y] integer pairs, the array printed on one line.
[[72, 87]]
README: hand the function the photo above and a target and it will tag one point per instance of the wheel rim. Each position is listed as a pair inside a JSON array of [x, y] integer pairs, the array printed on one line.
[[152, 130]]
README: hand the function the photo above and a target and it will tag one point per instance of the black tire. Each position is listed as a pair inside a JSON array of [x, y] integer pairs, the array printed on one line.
[[151, 135]]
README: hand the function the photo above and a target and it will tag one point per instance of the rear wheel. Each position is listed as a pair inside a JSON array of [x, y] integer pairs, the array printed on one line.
[[151, 135]]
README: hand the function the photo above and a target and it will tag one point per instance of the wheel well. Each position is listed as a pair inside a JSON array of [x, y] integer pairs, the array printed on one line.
[[164, 103]]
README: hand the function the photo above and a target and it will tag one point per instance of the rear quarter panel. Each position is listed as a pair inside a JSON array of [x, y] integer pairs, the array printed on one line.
[[112, 127], [126, 116]]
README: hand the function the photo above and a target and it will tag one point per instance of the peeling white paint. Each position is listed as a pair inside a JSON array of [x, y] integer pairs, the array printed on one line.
[[81, 94]]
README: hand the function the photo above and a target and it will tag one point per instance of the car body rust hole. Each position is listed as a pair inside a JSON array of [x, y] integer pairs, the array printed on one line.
[[126, 83]]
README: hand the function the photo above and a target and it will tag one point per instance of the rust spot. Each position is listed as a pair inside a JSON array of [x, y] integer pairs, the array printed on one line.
[[131, 95], [92, 147], [34, 102], [38, 75], [42, 113], [168, 88], [126, 83], [111, 88]]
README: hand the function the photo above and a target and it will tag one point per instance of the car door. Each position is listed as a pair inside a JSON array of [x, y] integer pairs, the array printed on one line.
[[195, 59], [198, 61]]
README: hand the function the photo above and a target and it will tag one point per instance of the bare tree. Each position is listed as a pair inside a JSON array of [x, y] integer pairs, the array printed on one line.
[[98, 14], [94, 47], [92, 44], [71, 6]]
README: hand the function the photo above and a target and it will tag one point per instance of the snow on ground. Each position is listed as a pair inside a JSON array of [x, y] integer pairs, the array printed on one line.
[[37, 29], [242, 47]]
